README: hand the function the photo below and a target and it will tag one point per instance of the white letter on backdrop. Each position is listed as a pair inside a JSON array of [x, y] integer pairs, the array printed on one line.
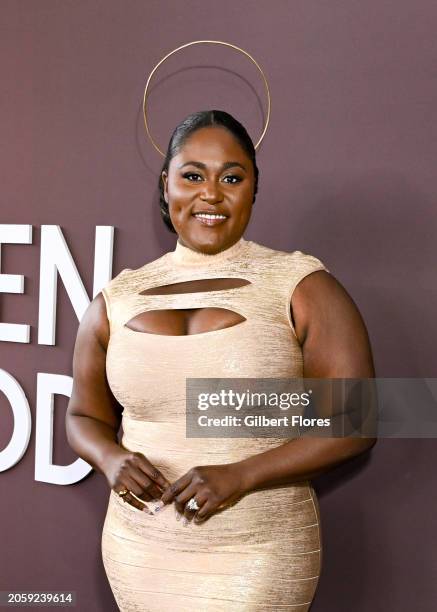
[[55, 257], [45, 471], [14, 283], [19, 441], [103, 250]]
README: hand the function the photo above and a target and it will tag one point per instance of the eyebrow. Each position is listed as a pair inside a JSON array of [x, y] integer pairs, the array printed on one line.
[[202, 166]]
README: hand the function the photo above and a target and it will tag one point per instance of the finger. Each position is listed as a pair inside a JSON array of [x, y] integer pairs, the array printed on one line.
[[182, 499], [128, 483], [153, 473], [145, 488], [203, 513], [190, 514], [146, 506], [128, 498], [133, 487], [175, 488]]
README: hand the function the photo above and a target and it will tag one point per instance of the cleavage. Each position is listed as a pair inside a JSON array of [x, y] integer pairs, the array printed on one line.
[[184, 321], [188, 321]]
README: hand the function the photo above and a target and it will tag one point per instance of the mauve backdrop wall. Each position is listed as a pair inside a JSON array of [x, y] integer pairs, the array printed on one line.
[[347, 174]]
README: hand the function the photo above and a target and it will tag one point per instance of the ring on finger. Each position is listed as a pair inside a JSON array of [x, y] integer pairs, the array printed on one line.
[[192, 504]]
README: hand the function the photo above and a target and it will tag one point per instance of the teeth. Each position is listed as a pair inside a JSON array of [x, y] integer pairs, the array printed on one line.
[[207, 216]]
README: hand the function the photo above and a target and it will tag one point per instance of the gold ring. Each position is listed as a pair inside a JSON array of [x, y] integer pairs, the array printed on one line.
[[123, 492], [196, 42]]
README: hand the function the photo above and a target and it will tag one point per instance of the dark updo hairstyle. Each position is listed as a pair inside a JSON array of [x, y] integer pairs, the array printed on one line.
[[194, 122]]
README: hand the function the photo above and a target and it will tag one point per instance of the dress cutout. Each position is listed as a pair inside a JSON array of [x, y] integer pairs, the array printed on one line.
[[264, 551]]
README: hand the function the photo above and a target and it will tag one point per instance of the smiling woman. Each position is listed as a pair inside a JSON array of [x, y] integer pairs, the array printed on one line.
[[217, 305], [209, 177]]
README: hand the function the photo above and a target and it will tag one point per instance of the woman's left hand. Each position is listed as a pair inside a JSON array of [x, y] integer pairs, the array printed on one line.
[[212, 486]]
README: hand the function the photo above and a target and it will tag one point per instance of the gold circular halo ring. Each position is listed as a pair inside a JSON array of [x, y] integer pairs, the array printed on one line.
[[196, 42]]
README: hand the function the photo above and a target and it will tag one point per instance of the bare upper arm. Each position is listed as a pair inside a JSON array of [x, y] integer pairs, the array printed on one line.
[[91, 395], [330, 329]]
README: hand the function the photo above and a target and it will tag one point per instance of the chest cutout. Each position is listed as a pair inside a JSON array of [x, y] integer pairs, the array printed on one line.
[[196, 286], [188, 321]]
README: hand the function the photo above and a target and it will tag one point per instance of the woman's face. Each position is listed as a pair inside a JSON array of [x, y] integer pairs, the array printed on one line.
[[211, 174]]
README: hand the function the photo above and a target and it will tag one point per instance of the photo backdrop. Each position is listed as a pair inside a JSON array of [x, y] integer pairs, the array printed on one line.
[[347, 173]]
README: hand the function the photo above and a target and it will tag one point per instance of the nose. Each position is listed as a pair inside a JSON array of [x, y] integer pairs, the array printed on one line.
[[211, 193]]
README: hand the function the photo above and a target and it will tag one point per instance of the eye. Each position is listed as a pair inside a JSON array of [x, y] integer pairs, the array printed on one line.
[[188, 174], [234, 176]]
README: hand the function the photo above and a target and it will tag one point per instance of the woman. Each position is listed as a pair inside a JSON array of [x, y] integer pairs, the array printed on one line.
[[216, 306]]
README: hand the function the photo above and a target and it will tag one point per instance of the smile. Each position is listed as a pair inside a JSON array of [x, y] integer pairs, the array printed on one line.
[[210, 219]]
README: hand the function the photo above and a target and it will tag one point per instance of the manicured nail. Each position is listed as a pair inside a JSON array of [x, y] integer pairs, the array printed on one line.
[[185, 521], [178, 515]]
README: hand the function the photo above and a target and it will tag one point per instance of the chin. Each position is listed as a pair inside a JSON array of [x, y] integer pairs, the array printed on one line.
[[208, 243]]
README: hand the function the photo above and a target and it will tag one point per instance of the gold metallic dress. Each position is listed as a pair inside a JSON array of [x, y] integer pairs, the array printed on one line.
[[264, 551]]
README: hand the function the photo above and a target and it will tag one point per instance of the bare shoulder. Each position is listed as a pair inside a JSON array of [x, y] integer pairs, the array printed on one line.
[[330, 327], [94, 323], [313, 295]]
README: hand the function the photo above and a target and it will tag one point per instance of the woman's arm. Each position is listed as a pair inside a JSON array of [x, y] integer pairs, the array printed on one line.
[[93, 414], [335, 344]]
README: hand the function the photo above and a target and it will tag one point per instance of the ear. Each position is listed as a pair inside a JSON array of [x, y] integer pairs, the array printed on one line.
[[164, 178]]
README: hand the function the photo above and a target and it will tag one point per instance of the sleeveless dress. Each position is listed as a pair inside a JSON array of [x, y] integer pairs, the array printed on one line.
[[263, 552]]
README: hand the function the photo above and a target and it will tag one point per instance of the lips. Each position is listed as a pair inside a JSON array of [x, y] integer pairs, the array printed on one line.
[[209, 212], [211, 220]]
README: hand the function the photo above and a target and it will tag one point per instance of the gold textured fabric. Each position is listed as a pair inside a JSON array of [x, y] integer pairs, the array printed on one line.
[[263, 552]]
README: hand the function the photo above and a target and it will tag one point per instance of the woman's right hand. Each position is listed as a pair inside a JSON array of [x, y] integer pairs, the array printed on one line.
[[129, 470]]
